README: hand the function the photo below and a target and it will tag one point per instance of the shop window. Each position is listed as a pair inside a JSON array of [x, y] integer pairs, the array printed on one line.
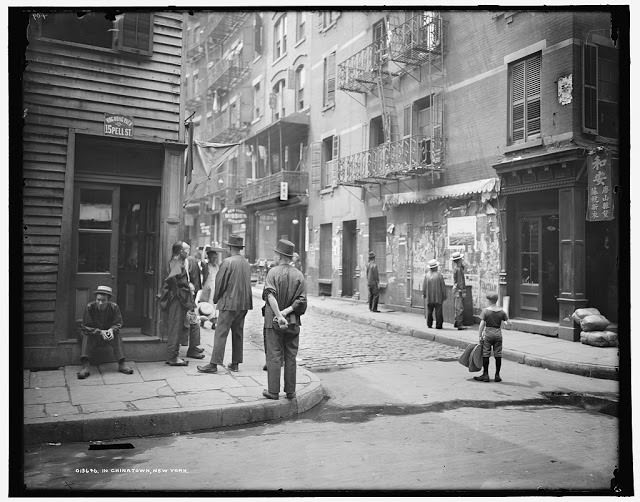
[[131, 32], [329, 80], [524, 98], [600, 90], [94, 230]]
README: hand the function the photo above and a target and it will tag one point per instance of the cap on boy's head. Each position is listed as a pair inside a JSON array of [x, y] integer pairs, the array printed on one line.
[[492, 297]]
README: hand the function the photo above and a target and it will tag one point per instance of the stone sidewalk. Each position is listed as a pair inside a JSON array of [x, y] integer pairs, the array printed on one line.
[[156, 399], [526, 348]]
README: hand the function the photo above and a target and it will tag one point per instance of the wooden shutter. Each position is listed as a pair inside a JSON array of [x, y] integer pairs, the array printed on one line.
[[517, 102], [532, 83], [135, 33], [316, 164], [335, 164], [365, 136], [406, 121], [590, 88], [331, 79]]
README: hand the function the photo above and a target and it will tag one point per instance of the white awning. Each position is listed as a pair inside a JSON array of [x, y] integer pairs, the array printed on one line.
[[488, 188]]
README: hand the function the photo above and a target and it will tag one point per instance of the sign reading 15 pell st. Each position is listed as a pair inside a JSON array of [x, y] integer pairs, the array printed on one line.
[[118, 125]]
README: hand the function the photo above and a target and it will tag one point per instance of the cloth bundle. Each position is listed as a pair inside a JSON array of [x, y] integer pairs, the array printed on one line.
[[472, 357]]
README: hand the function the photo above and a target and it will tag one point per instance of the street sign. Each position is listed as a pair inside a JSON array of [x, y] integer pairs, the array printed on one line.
[[284, 190], [118, 125]]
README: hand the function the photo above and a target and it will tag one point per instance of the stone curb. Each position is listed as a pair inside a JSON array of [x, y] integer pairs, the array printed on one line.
[[113, 425], [583, 369]]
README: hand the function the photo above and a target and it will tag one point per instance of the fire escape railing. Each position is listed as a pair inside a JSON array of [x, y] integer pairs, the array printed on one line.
[[411, 155], [226, 72], [359, 72], [418, 40]]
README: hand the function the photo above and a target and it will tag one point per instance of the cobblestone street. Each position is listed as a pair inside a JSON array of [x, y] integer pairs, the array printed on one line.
[[331, 343]]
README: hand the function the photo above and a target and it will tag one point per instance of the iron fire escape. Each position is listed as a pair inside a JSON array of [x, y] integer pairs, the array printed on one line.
[[412, 46]]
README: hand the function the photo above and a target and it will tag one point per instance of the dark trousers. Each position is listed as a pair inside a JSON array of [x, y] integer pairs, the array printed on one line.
[[191, 336], [228, 320], [279, 347], [176, 329], [89, 342], [374, 296], [438, 314], [458, 308]]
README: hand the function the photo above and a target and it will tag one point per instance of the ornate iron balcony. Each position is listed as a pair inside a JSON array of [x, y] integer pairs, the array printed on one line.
[[268, 188], [412, 155], [359, 72], [418, 40], [226, 73]]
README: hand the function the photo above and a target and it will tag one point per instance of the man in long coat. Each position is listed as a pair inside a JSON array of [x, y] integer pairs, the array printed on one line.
[[434, 294], [373, 282], [233, 298], [459, 289]]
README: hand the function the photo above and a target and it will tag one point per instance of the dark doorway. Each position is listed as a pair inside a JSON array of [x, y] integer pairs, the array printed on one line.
[[549, 267], [138, 249], [349, 251]]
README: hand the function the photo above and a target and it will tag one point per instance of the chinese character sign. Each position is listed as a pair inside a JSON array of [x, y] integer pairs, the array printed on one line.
[[600, 195]]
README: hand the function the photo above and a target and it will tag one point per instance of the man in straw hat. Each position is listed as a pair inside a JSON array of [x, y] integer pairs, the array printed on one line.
[[285, 301], [373, 282], [459, 289], [233, 298], [434, 294], [101, 325]]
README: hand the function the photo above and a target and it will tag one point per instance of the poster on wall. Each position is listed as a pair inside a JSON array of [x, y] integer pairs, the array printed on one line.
[[461, 233]]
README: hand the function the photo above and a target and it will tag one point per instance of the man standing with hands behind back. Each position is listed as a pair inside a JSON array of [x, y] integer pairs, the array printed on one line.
[[233, 298]]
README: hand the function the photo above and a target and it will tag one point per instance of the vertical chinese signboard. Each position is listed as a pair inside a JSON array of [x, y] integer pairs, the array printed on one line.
[[600, 196]]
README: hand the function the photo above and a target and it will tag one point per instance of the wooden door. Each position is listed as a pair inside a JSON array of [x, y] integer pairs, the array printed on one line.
[[95, 239], [529, 266], [348, 257]]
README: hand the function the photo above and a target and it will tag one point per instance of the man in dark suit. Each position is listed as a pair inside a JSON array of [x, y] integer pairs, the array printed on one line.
[[233, 298]]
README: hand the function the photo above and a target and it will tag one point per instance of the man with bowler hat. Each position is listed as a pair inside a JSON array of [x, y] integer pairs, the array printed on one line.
[[233, 298], [101, 325], [285, 301], [459, 289], [434, 294], [373, 282]]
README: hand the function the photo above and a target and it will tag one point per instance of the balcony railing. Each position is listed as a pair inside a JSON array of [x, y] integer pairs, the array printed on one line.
[[359, 72], [224, 24], [227, 128], [228, 72], [268, 188], [418, 40], [412, 155]]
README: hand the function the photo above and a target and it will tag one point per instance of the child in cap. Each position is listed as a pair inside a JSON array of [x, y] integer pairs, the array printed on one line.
[[490, 334]]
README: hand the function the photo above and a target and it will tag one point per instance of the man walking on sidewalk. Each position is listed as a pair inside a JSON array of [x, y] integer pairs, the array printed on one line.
[[101, 325], [459, 289], [373, 282], [434, 294], [233, 298], [285, 301]]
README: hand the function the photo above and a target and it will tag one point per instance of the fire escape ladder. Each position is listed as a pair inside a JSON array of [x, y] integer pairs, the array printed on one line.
[[386, 94]]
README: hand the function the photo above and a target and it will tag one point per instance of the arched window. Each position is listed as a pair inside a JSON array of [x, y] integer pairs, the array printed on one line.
[[278, 100], [300, 88]]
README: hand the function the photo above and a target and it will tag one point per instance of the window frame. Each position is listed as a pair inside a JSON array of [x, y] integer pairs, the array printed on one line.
[[280, 37], [258, 34], [117, 46], [300, 82], [301, 18], [595, 88], [278, 91], [327, 76], [526, 100]]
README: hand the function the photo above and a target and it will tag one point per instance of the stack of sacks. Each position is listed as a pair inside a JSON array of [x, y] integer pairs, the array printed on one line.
[[595, 328]]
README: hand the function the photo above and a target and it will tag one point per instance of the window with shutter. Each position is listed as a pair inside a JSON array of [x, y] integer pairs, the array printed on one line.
[[600, 90], [524, 91], [329, 80], [257, 33], [135, 33], [335, 155], [316, 164]]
